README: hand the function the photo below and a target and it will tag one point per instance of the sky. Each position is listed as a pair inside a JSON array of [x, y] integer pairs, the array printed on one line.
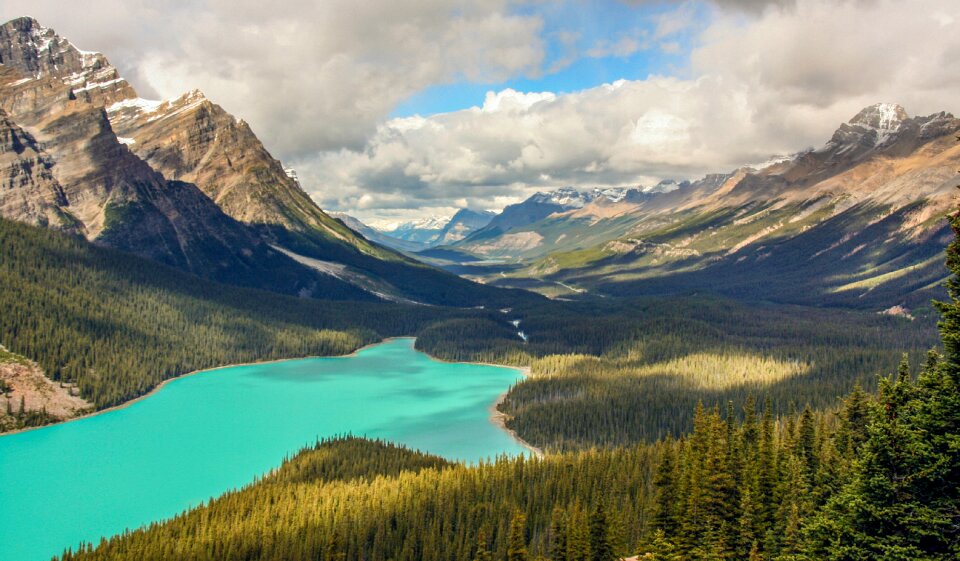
[[394, 110]]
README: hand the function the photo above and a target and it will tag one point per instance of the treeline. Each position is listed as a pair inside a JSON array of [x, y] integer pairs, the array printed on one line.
[[117, 325], [878, 480], [604, 373], [632, 371], [409, 507]]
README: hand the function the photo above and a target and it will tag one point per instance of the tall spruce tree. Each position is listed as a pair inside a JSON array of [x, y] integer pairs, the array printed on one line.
[[483, 553], [665, 516], [517, 539], [600, 547], [903, 501], [558, 535]]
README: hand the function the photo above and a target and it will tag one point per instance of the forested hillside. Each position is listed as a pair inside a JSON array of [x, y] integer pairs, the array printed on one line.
[[877, 479], [629, 371], [117, 325], [632, 371]]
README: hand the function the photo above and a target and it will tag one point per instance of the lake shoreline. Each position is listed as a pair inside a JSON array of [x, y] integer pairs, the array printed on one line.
[[160, 386], [497, 417]]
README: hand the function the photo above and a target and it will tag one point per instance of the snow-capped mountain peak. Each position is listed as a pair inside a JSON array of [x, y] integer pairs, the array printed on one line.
[[564, 196], [881, 116], [38, 51], [665, 186], [570, 198], [427, 223]]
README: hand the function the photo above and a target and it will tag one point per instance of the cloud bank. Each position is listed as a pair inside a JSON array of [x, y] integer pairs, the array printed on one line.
[[773, 82], [308, 76], [318, 80]]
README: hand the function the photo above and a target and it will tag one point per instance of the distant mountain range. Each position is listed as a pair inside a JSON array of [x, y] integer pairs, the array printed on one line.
[[858, 221], [179, 181], [419, 235]]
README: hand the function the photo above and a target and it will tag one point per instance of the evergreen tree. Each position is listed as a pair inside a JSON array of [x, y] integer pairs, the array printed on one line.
[[482, 554], [903, 501], [558, 535], [660, 549], [806, 444], [600, 547], [853, 422], [665, 517], [517, 539], [578, 539]]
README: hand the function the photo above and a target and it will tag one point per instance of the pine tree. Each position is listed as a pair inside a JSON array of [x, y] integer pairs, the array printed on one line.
[[558, 535], [516, 539], [903, 501], [578, 539], [660, 549], [806, 444], [600, 547], [665, 515], [482, 554], [766, 466], [694, 454], [720, 511], [853, 422]]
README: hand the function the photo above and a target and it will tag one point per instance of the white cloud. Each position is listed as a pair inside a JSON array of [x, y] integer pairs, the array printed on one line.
[[306, 75], [316, 81], [775, 82]]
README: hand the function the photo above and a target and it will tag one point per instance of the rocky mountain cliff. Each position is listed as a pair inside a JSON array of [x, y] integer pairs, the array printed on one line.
[[37, 51], [180, 181], [835, 224], [66, 169]]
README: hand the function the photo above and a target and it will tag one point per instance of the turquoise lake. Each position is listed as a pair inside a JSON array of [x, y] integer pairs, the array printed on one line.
[[205, 434]]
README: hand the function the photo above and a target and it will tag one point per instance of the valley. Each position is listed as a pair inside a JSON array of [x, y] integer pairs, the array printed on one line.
[[430, 337], [858, 222]]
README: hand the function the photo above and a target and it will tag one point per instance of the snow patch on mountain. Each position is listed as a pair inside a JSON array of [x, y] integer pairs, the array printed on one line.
[[137, 103], [571, 198], [428, 223]]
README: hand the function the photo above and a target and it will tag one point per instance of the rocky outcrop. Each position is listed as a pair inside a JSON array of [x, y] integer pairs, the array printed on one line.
[[24, 385], [192, 139], [180, 181], [28, 190], [65, 168], [38, 51]]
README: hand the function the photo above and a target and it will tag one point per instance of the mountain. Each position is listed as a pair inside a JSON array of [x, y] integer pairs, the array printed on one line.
[[523, 229], [179, 181], [64, 168], [420, 231], [462, 224], [423, 234], [858, 221], [375, 235]]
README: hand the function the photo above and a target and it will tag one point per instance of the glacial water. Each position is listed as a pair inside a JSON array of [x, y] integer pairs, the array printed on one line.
[[204, 434]]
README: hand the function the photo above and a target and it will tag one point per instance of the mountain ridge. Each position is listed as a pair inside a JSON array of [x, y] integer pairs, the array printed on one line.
[[181, 181], [870, 200]]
